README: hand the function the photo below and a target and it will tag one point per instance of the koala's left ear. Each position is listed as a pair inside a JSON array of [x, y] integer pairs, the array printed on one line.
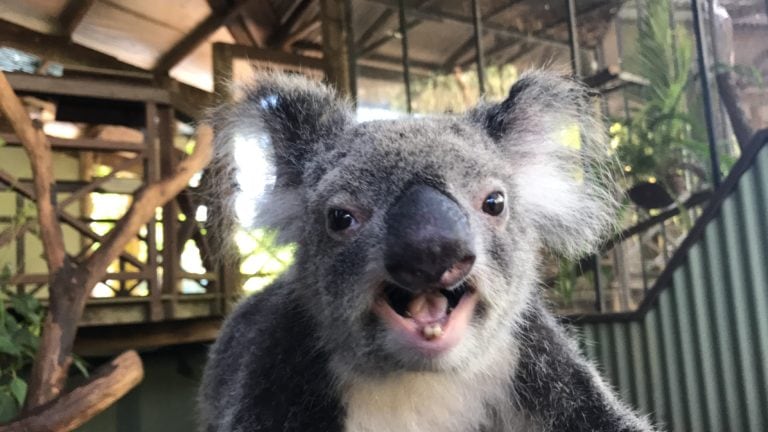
[[291, 119], [299, 118], [550, 132]]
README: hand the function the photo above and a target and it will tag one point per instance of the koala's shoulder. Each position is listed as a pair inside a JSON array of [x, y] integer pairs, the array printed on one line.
[[266, 369], [250, 325], [260, 324]]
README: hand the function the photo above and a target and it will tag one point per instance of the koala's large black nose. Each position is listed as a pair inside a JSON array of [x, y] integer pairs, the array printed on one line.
[[428, 240]]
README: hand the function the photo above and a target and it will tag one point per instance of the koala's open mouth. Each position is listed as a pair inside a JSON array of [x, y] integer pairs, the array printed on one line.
[[433, 321]]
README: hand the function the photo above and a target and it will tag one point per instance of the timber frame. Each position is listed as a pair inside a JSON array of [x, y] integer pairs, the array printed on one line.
[[155, 158]]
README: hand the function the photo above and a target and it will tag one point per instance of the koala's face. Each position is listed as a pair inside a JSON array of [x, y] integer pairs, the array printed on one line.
[[414, 239], [418, 239]]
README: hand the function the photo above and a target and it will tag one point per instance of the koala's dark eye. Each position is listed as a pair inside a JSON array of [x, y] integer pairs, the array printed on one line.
[[340, 219], [494, 203]]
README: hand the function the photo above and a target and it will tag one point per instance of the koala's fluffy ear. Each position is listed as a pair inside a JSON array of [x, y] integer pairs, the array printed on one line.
[[550, 131], [291, 119], [297, 116]]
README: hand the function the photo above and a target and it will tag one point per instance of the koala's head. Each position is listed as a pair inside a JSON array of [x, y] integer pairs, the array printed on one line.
[[418, 239]]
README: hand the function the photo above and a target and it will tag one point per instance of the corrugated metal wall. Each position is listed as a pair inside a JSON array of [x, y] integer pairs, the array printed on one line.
[[698, 359]]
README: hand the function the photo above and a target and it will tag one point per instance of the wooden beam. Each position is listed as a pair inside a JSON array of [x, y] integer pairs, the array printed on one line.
[[286, 29], [109, 340], [73, 15], [337, 46], [223, 72], [169, 159], [460, 52], [197, 36], [363, 48], [187, 99], [377, 25], [373, 46], [96, 183], [373, 71], [470, 42], [420, 66], [40, 278], [87, 144], [443, 16], [61, 50], [83, 228], [307, 29], [276, 57], [87, 87]]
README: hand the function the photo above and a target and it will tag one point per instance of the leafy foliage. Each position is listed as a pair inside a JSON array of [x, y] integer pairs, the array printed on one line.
[[21, 317], [657, 141]]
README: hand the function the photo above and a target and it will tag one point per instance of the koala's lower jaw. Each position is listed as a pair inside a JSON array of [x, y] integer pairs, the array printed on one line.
[[430, 323]]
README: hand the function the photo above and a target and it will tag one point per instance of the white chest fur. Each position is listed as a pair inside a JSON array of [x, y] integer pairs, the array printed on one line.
[[418, 402]]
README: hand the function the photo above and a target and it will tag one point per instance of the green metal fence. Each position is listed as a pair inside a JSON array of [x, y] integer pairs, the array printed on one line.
[[694, 357]]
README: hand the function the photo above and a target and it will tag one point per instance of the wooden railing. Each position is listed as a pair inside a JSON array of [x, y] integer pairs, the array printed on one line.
[[146, 282]]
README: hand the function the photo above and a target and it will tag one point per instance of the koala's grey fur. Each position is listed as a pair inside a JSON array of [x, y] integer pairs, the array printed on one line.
[[308, 354]]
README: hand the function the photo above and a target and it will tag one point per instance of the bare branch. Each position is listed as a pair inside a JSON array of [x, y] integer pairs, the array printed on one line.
[[108, 384], [145, 203], [39, 151]]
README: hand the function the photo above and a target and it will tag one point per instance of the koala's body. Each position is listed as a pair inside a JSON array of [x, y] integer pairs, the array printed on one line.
[[413, 304]]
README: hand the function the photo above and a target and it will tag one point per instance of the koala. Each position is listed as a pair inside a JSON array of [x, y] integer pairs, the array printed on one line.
[[413, 302]]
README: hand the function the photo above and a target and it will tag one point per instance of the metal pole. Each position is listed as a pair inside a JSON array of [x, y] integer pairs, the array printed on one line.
[[478, 26], [598, 281], [642, 263], [665, 251], [673, 25], [705, 88], [404, 43], [573, 37], [620, 49]]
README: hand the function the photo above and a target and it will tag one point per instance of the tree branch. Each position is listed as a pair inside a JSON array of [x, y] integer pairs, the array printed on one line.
[[39, 150], [108, 384], [143, 207], [70, 283]]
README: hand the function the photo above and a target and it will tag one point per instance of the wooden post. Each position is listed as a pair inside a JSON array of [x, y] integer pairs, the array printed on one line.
[[222, 79], [152, 174], [222, 71], [338, 51], [168, 161]]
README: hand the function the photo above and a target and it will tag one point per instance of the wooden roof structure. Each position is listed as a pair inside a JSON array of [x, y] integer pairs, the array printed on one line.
[[146, 39]]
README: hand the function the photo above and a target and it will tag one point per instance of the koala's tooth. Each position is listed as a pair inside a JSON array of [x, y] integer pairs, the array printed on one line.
[[432, 331], [428, 332], [437, 330]]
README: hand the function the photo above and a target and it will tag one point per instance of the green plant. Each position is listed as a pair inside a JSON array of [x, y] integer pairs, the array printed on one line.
[[658, 141], [21, 317]]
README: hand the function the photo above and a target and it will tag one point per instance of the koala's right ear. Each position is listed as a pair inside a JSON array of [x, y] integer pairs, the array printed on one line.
[[292, 119], [551, 133]]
